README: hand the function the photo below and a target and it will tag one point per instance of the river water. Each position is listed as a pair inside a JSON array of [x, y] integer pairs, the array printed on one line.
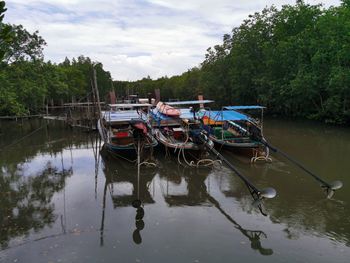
[[61, 201]]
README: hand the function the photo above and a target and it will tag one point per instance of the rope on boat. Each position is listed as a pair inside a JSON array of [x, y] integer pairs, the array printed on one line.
[[207, 162], [178, 157], [210, 162], [183, 151], [149, 164], [141, 144], [264, 158]]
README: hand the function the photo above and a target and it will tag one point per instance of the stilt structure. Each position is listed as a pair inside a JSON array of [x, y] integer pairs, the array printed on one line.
[[79, 114]]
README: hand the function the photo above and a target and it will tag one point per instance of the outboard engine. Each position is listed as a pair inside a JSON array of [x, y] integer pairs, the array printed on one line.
[[140, 129]]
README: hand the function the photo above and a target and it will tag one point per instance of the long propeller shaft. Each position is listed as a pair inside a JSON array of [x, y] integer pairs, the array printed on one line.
[[256, 193], [330, 186]]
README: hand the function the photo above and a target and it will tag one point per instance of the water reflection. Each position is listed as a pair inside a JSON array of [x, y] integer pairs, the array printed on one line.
[[32, 171], [180, 187], [195, 213], [139, 224], [126, 188], [194, 187], [190, 183], [26, 200], [253, 235], [122, 181]]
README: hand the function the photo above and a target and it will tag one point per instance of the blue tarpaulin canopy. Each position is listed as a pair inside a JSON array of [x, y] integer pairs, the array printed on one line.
[[243, 107], [186, 114], [224, 115]]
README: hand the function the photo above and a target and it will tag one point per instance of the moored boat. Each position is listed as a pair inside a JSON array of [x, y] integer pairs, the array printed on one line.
[[124, 128], [230, 129], [177, 133]]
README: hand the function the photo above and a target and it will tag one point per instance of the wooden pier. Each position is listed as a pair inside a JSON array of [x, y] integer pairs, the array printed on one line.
[[76, 115]]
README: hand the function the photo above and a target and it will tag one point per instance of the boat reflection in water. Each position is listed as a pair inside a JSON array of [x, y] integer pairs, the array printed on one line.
[[126, 188], [179, 187], [197, 193]]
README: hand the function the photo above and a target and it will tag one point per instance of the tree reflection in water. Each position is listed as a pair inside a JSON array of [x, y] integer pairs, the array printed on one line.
[[26, 200]]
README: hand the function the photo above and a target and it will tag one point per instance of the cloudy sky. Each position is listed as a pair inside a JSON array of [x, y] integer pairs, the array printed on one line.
[[135, 38]]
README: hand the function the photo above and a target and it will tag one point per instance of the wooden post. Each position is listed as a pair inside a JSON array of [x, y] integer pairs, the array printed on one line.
[[94, 99], [200, 97], [96, 91], [97, 94], [88, 108], [157, 95]]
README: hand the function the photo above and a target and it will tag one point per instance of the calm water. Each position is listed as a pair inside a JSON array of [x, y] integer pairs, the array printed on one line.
[[60, 201]]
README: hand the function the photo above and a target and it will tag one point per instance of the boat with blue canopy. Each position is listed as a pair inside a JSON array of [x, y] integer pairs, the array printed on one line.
[[124, 128], [232, 129]]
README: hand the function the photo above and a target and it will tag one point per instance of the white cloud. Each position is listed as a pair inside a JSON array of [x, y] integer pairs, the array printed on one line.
[[134, 38]]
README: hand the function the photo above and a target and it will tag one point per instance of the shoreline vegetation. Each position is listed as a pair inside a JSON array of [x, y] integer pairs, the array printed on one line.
[[294, 60]]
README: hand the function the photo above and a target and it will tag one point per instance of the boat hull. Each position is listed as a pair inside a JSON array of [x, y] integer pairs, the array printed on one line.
[[234, 145], [128, 151], [189, 148], [248, 149]]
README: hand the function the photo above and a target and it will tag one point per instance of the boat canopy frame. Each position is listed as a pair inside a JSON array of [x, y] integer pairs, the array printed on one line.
[[232, 113], [125, 112], [241, 107], [250, 107], [188, 102], [129, 105]]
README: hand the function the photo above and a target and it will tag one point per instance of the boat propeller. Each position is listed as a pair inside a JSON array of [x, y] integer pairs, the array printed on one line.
[[336, 185], [330, 188], [257, 194], [268, 193]]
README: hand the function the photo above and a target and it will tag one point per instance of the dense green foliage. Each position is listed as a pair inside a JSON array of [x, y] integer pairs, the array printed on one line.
[[5, 31], [27, 83], [26, 86], [295, 61]]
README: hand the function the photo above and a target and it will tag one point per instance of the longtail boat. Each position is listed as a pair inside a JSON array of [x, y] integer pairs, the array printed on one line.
[[175, 133], [228, 128], [124, 128]]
